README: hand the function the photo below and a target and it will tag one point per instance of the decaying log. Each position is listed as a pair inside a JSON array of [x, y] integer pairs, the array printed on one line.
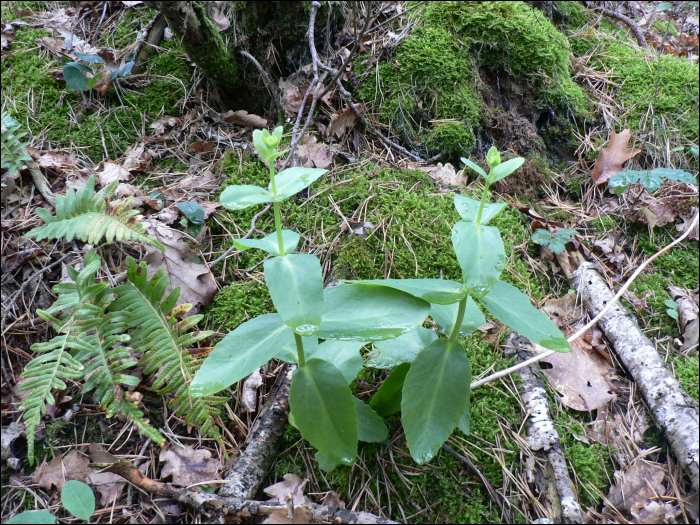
[[262, 443], [553, 480], [671, 407], [217, 508]]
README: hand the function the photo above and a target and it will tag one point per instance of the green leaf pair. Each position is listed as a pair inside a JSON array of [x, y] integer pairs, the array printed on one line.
[[651, 180]]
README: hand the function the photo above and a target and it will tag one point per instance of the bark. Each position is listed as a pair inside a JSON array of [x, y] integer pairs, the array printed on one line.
[[205, 47], [262, 443], [553, 479], [672, 408]]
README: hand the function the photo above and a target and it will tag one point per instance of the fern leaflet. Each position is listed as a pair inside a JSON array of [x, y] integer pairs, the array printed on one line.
[[165, 341], [89, 217], [13, 152]]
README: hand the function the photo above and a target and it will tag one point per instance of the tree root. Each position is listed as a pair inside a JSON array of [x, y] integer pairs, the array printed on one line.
[[550, 474], [625, 20], [671, 407]]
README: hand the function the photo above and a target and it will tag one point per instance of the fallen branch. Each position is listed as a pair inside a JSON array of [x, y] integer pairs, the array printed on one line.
[[625, 20], [543, 439], [671, 407], [221, 509], [39, 180], [261, 448]]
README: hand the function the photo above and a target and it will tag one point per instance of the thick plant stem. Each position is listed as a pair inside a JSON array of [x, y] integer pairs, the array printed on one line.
[[458, 323], [300, 350], [276, 209], [483, 201]]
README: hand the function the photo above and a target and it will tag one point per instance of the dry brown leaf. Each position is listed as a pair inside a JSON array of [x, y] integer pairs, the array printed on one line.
[[657, 212], [109, 485], [687, 221], [332, 499], [282, 517], [687, 316], [612, 158], [249, 397], [52, 159], [292, 488], [197, 284], [445, 174], [138, 158], [107, 172], [218, 18], [563, 308], [583, 376], [209, 207], [640, 483], [102, 84], [164, 124], [72, 465], [243, 118], [312, 154], [342, 121], [187, 466]]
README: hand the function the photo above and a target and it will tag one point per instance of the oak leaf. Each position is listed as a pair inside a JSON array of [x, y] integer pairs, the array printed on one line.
[[612, 158]]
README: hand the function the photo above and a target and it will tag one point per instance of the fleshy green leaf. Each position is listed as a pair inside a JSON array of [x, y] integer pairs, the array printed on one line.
[[439, 291], [240, 353], [288, 352], [387, 400], [292, 180], [446, 315], [514, 309], [481, 255], [465, 423], [554, 241], [270, 243], [435, 396], [344, 355], [505, 168], [469, 208], [370, 426], [94, 59], [369, 313], [295, 282], [324, 410], [475, 167], [404, 349], [75, 78], [195, 215], [244, 196], [651, 180], [78, 499], [325, 463], [33, 517]]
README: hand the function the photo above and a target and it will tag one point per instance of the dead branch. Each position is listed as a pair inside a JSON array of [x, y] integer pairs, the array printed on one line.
[[268, 82], [39, 180], [560, 495], [261, 448], [216, 508], [625, 20], [672, 408]]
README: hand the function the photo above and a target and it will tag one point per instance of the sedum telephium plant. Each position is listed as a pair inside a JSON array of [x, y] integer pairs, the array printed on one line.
[[431, 376]]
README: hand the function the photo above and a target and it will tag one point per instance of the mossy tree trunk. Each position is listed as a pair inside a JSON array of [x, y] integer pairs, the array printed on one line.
[[205, 47]]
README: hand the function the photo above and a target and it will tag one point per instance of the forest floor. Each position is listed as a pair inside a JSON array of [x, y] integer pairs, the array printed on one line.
[[379, 212]]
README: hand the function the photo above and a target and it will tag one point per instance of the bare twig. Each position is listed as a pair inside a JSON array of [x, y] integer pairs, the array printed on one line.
[[250, 232], [268, 82], [6, 308], [39, 180], [593, 321], [625, 20], [221, 509]]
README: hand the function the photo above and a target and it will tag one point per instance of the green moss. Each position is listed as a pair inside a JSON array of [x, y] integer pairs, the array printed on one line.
[[454, 138], [240, 302], [686, 369]]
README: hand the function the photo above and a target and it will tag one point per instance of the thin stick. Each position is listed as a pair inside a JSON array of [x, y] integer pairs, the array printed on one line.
[[593, 321], [250, 232], [625, 20], [268, 82]]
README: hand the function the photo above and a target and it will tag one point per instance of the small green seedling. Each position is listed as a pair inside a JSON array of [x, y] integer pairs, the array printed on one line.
[[672, 309], [77, 498], [194, 214], [322, 330], [555, 241], [76, 73], [651, 180]]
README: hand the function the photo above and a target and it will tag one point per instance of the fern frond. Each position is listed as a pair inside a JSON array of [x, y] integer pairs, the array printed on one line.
[[89, 345], [164, 342], [12, 150], [86, 215]]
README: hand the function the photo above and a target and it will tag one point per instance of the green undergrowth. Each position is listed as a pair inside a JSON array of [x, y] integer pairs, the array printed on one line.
[[434, 73], [58, 115], [657, 95]]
